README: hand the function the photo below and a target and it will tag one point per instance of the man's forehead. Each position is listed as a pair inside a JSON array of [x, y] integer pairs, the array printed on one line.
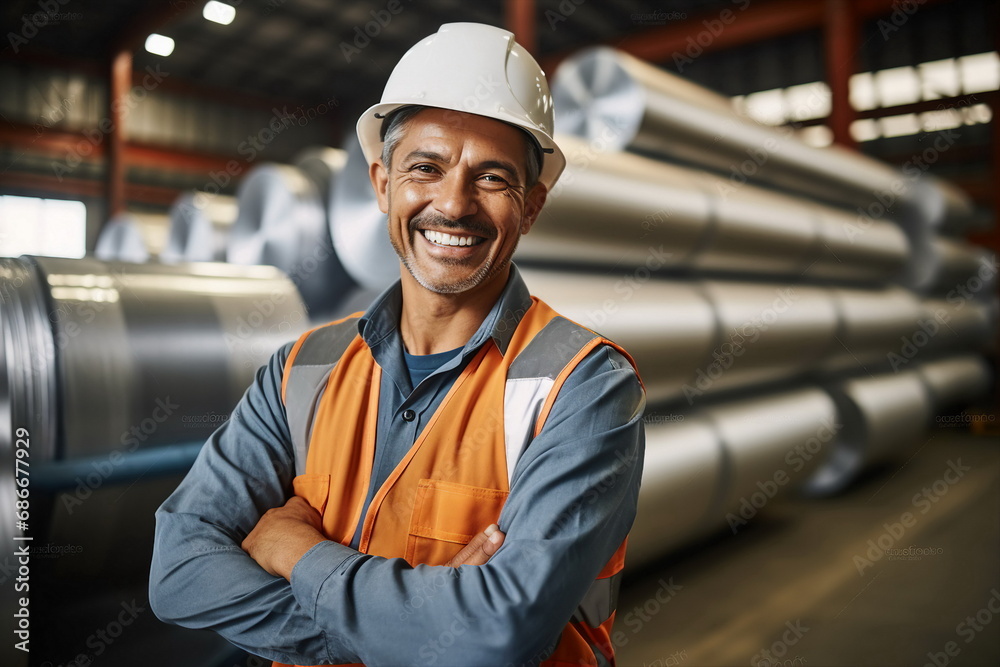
[[455, 127]]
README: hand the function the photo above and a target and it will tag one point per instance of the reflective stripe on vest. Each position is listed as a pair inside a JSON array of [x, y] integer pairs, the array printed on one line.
[[455, 478]]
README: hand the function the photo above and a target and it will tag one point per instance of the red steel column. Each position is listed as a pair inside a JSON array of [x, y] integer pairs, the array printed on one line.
[[118, 89], [841, 30], [520, 18]]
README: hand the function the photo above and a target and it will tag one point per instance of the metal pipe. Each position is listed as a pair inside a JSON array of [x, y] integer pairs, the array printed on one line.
[[882, 417], [323, 166], [607, 95], [121, 240], [104, 355], [358, 227], [281, 222], [616, 208], [692, 339], [703, 469], [199, 228]]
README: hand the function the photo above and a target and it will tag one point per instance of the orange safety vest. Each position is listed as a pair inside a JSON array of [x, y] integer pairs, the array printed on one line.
[[454, 480]]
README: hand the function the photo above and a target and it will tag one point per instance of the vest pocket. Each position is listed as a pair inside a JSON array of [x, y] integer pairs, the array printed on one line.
[[314, 489], [446, 516]]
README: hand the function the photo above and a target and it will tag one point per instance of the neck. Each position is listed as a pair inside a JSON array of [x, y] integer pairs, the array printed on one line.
[[430, 322]]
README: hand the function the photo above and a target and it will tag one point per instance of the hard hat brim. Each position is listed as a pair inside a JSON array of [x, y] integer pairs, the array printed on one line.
[[370, 124]]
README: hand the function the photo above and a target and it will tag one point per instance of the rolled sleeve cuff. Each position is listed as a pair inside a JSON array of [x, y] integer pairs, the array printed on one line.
[[321, 564]]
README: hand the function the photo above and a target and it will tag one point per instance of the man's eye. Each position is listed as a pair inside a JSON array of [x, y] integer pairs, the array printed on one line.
[[493, 178]]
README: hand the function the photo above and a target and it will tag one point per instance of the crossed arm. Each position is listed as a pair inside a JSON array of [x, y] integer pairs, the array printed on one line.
[[284, 535], [313, 601]]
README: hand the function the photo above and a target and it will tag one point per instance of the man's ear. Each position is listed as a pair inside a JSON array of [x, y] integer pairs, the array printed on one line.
[[380, 183], [533, 204]]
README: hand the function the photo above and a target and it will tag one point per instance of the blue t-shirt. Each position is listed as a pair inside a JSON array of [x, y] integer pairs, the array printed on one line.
[[422, 365]]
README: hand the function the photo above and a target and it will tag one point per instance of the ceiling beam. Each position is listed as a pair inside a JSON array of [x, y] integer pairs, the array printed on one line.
[[62, 145], [82, 188], [744, 23]]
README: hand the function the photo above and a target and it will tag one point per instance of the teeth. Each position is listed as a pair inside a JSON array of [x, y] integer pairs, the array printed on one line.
[[450, 239]]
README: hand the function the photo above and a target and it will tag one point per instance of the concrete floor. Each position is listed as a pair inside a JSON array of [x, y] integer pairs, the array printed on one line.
[[802, 583]]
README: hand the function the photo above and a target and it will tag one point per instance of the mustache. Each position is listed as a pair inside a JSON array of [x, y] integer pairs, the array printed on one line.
[[474, 227]]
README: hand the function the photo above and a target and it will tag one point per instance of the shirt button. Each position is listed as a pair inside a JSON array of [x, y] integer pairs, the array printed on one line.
[[409, 415]]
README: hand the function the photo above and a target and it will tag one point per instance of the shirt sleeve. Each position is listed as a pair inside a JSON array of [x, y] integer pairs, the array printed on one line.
[[572, 501], [200, 577]]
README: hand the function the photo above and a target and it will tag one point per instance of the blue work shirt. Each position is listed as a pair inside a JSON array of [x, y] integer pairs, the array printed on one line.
[[572, 501]]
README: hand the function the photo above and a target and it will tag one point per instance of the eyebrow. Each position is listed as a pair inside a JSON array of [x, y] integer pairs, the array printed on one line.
[[502, 165]]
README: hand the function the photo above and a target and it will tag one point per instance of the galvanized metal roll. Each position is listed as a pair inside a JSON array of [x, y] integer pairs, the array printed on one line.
[[199, 228], [357, 227], [768, 332], [121, 239], [772, 443], [882, 418], [871, 324], [956, 382], [323, 166], [614, 209], [719, 465], [281, 222], [951, 325], [668, 327], [940, 266], [610, 209], [608, 96], [139, 355], [682, 473]]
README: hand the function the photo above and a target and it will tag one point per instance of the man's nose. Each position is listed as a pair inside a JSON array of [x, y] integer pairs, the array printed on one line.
[[456, 197]]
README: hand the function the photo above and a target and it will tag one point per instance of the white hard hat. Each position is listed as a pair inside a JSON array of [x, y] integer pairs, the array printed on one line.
[[473, 68]]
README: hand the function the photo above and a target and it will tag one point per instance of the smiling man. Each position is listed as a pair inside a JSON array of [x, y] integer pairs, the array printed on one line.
[[449, 477]]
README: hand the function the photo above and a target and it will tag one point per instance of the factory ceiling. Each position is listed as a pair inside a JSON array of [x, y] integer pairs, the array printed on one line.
[[309, 50]]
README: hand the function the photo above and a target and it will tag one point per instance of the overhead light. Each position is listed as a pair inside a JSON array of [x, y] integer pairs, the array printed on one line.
[[219, 12], [161, 45]]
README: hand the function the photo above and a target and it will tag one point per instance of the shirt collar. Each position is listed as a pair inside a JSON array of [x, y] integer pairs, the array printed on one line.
[[381, 320]]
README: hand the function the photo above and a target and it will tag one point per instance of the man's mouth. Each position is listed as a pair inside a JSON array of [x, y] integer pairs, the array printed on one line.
[[450, 240]]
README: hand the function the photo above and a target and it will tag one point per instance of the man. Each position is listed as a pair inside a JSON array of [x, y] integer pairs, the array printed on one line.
[[449, 478]]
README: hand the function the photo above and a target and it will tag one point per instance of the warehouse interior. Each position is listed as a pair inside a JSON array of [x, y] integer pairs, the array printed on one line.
[[786, 211]]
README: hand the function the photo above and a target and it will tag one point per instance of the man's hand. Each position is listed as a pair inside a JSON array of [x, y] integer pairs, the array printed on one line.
[[283, 535], [480, 548]]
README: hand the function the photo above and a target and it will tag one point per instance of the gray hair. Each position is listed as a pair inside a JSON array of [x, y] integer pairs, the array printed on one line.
[[397, 121]]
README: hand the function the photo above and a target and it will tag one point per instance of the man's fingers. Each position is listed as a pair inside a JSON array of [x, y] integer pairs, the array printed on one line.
[[480, 548]]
